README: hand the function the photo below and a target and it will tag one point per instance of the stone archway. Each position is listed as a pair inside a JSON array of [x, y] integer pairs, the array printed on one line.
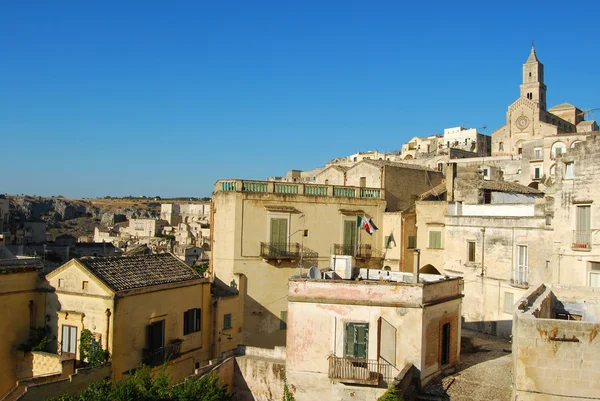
[[429, 269]]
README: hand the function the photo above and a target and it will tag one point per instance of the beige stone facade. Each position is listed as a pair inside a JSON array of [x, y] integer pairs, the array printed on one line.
[[269, 231]]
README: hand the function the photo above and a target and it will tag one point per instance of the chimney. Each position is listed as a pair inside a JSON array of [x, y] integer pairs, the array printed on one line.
[[450, 176], [417, 262]]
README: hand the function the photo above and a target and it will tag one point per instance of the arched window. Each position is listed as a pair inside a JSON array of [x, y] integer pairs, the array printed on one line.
[[501, 146], [574, 143], [558, 149]]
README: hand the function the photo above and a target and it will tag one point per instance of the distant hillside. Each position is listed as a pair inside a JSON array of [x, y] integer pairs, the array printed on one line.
[[78, 217]]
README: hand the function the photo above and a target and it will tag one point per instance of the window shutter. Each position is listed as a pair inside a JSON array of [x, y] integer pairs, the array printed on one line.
[[149, 342], [362, 336], [349, 340], [186, 328], [198, 319]]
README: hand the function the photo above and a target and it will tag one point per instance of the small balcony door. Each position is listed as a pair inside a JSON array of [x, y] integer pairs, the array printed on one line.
[[349, 242], [69, 341], [279, 234], [357, 340]]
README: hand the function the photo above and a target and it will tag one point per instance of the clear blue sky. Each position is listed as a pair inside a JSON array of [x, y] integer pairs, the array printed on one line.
[[164, 98]]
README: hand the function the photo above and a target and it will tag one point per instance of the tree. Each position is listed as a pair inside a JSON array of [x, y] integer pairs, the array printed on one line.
[[147, 386], [390, 395]]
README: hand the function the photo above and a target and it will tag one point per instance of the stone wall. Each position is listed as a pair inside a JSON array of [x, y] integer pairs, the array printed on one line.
[[554, 359], [71, 385], [259, 375]]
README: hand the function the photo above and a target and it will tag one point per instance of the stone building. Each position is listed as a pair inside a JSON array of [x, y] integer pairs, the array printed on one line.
[[400, 182], [555, 345], [141, 228], [528, 118], [350, 339], [22, 309], [268, 231], [141, 309], [176, 213], [576, 257]]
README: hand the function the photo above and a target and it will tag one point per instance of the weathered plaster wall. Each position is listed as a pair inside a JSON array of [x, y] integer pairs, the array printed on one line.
[[259, 375], [555, 359]]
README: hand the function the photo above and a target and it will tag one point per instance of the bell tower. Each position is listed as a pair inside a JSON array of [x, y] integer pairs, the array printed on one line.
[[533, 87]]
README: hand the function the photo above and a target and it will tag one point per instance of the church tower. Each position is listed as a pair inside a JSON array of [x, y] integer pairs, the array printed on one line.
[[533, 87]]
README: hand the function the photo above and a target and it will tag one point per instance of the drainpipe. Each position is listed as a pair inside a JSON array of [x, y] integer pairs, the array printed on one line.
[[107, 313], [417, 261], [482, 251], [402, 244]]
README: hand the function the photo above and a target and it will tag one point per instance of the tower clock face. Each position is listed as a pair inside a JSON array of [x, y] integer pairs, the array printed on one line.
[[522, 122]]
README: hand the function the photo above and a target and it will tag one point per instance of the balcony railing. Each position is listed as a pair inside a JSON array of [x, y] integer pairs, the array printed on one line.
[[360, 371], [286, 251], [365, 251], [161, 355], [292, 188], [582, 239]]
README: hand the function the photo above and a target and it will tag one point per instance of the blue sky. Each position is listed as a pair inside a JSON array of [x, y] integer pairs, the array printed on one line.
[[164, 98]]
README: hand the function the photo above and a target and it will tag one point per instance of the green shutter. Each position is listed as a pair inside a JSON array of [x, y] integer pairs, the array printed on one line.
[[227, 321], [357, 340], [349, 340], [349, 237], [283, 320], [435, 239], [278, 235], [362, 339]]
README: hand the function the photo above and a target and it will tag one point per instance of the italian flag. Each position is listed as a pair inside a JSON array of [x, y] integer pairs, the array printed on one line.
[[367, 225]]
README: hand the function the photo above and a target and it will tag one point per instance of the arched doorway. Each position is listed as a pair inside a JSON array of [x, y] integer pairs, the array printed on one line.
[[429, 269]]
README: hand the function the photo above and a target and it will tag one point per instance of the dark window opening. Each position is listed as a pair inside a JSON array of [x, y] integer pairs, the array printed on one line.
[[445, 344]]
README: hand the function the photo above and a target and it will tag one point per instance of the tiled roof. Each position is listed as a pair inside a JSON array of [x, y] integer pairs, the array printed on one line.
[[380, 163], [499, 186], [126, 273]]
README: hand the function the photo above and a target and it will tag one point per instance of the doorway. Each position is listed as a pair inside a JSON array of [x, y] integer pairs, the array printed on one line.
[[445, 344]]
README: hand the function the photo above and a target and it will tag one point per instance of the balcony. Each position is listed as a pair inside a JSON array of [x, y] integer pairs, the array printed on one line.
[[286, 251], [582, 240], [291, 188], [365, 251], [162, 355], [360, 371]]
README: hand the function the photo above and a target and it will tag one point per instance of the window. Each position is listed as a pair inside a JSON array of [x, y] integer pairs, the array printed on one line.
[[357, 340], [508, 302], [558, 152], [595, 274], [227, 321], [583, 227], [485, 172], [412, 242], [84, 285], [537, 153], [501, 146], [520, 272], [192, 319], [569, 170], [548, 219], [520, 151], [283, 320], [435, 239], [61, 283], [363, 182], [537, 172], [69, 339], [471, 251]]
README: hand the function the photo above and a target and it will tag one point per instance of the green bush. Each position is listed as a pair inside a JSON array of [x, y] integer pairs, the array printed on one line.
[[143, 385], [390, 395]]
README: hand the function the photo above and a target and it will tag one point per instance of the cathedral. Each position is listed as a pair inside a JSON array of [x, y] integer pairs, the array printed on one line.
[[528, 119]]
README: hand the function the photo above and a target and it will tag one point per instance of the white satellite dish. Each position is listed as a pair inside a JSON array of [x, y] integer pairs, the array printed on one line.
[[314, 273]]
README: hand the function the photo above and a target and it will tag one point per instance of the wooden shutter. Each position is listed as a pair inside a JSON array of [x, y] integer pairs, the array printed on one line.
[[198, 319], [349, 351], [361, 340], [435, 239], [186, 327], [350, 234]]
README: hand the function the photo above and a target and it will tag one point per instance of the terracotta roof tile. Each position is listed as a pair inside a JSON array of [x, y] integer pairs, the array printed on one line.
[[126, 273]]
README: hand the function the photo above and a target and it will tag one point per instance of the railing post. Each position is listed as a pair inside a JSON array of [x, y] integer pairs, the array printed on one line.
[[270, 187], [330, 190]]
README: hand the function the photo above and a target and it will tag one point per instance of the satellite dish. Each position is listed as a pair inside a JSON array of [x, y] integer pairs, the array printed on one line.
[[314, 273]]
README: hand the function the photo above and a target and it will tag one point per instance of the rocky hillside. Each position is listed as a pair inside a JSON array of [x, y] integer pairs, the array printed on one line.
[[78, 217]]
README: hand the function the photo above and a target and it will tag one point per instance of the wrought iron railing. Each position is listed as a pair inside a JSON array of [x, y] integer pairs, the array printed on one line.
[[161, 355], [582, 239], [282, 250], [360, 371], [365, 251]]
